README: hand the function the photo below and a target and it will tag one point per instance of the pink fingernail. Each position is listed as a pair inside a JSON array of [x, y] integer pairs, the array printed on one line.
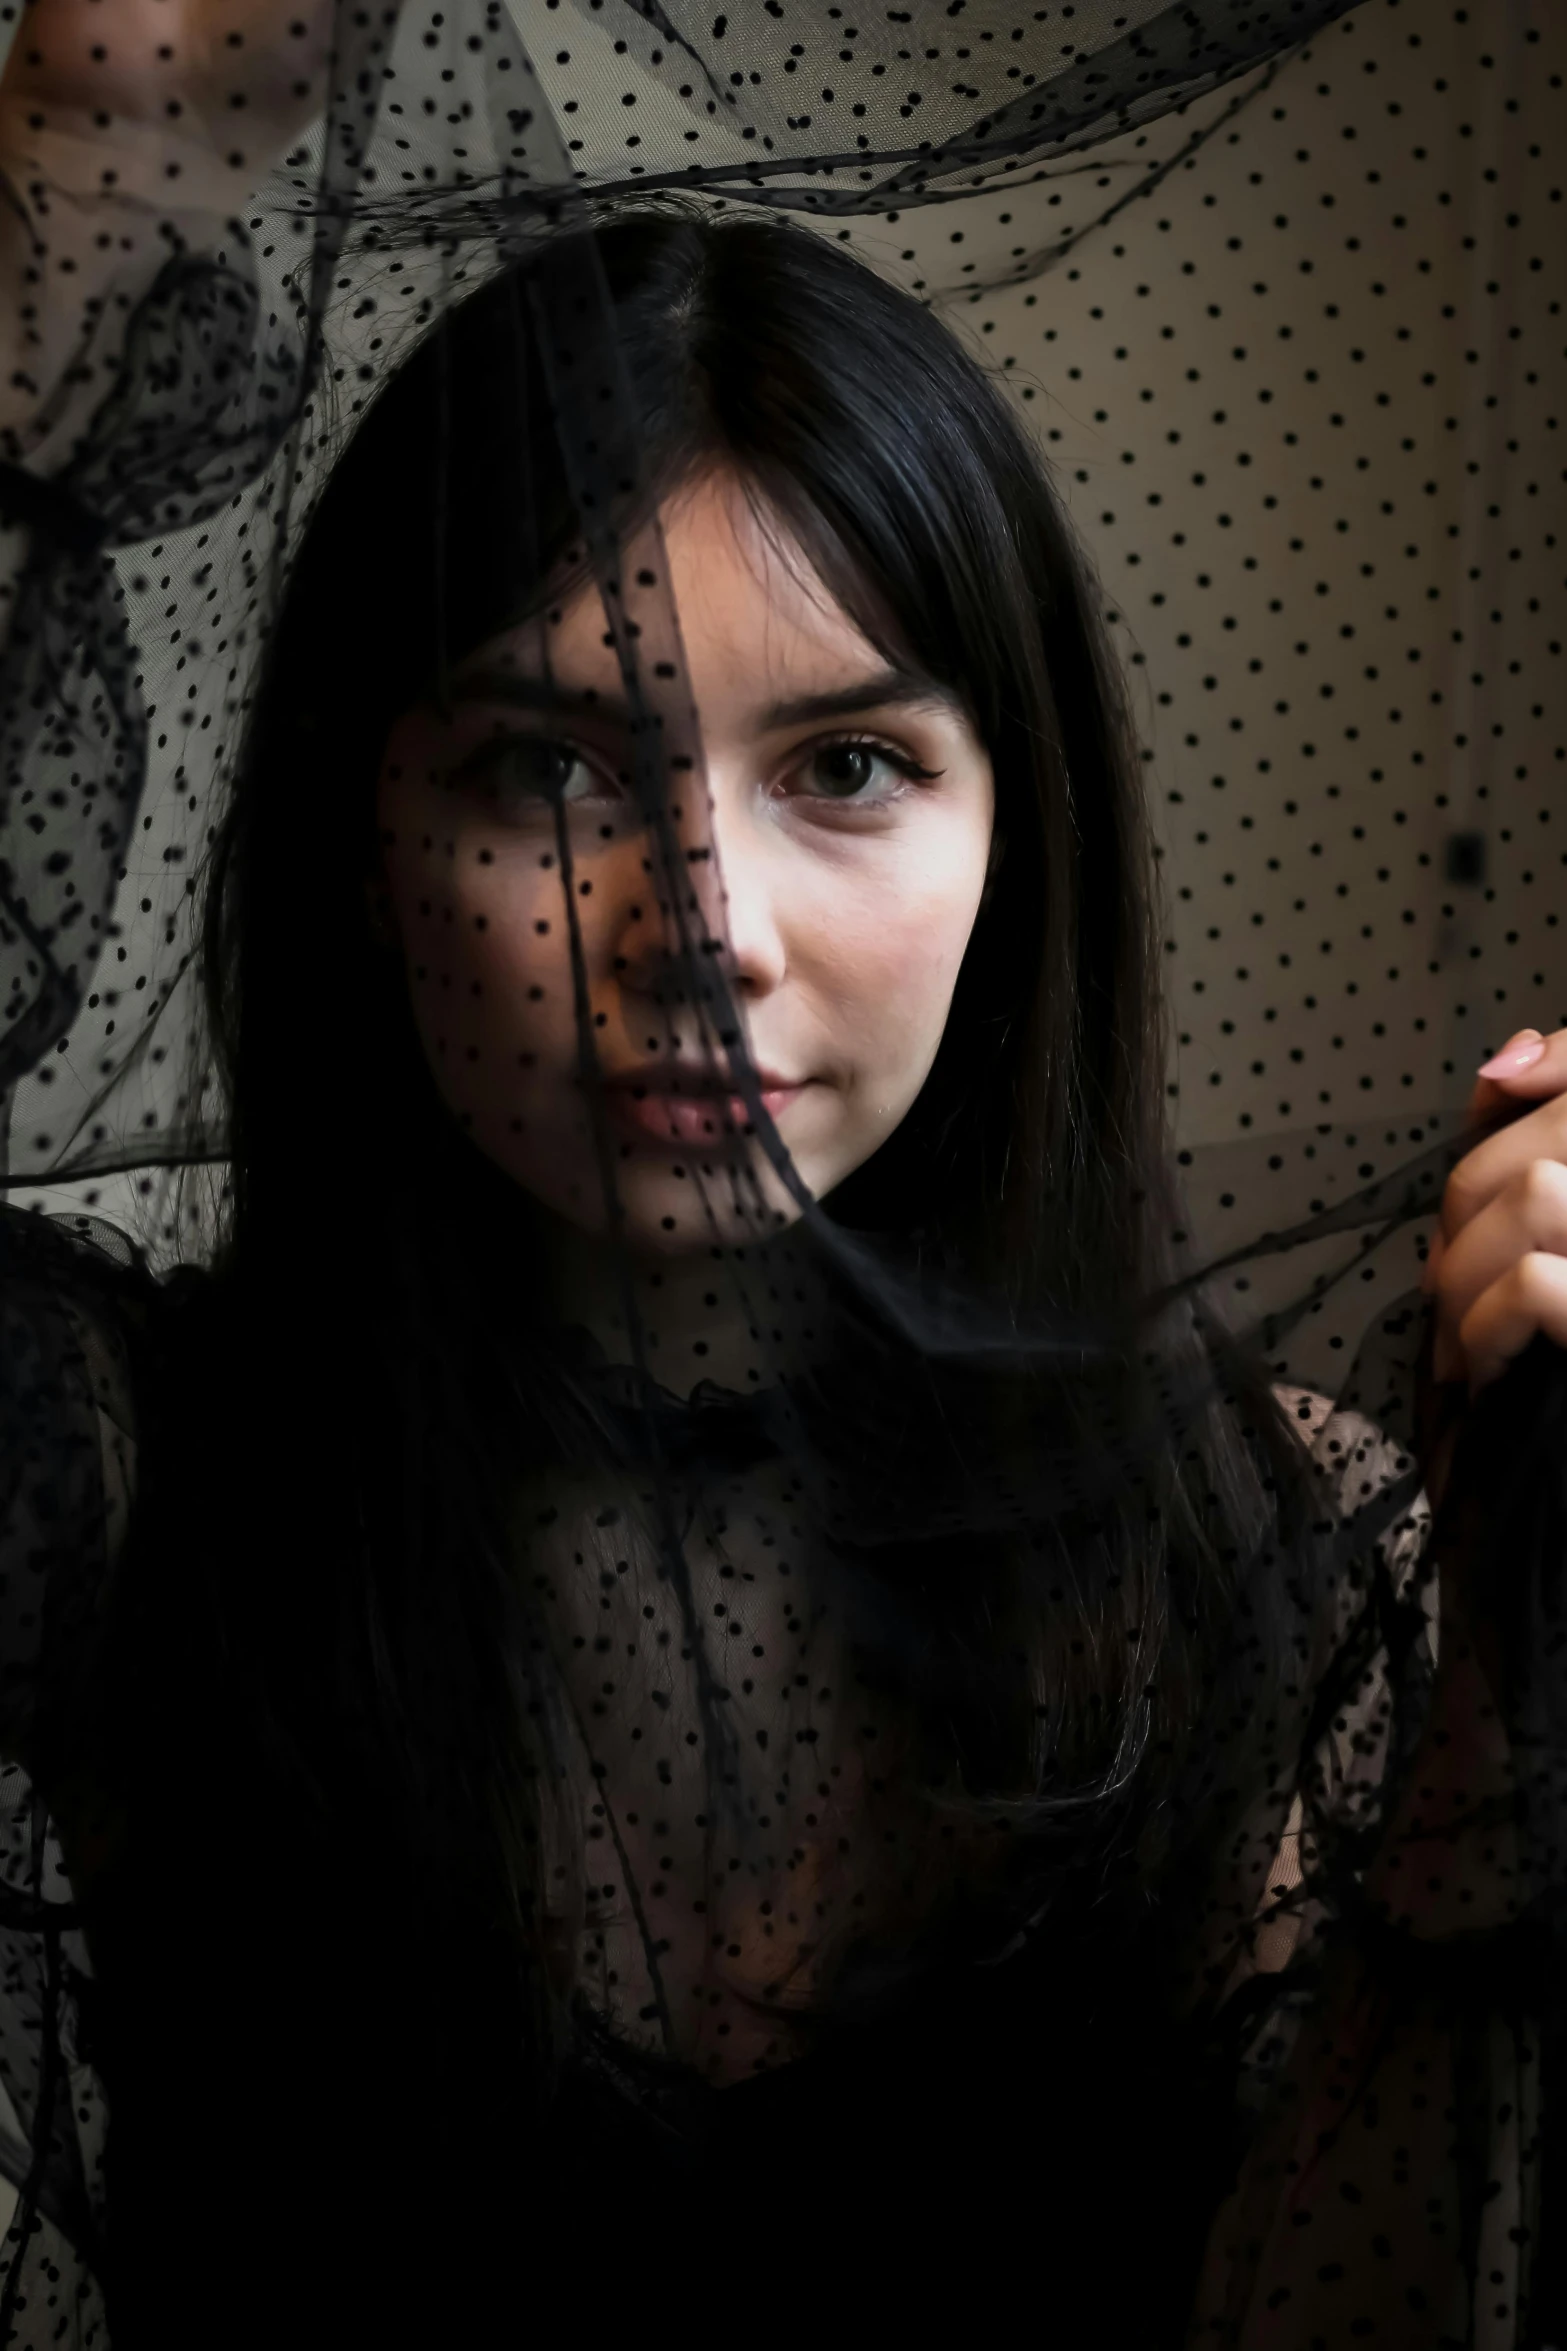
[[1514, 1058]]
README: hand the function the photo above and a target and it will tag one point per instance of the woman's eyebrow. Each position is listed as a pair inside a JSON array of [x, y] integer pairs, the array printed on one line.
[[525, 690], [887, 689]]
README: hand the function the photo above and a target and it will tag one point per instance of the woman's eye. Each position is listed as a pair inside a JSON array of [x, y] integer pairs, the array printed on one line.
[[857, 771], [533, 767]]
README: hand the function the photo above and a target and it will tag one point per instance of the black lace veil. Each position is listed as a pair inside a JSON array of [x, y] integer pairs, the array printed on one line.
[[578, 1718]]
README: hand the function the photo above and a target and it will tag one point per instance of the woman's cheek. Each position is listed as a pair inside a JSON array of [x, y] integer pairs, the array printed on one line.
[[488, 971], [898, 963]]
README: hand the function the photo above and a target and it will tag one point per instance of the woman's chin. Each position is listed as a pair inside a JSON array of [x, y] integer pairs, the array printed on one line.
[[679, 1208], [665, 1205]]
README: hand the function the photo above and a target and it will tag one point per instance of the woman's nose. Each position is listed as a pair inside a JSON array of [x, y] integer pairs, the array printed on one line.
[[721, 919]]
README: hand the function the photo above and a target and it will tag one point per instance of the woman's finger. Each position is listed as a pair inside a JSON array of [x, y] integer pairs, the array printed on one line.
[[1529, 1068], [1486, 1171], [1530, 1301], [1529, 1215]]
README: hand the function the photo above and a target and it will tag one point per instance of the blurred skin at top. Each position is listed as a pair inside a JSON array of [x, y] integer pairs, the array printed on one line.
[[835, 846]]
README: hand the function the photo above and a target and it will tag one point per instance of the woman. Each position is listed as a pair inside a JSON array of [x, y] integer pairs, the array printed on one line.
[[647, 1630]]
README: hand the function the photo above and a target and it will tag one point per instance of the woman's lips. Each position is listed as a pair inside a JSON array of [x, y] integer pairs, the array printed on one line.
[[651, 1112]]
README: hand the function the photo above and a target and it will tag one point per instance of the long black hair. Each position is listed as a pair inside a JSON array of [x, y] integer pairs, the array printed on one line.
[[324, 1579], [1034, 1164], [859, 423]]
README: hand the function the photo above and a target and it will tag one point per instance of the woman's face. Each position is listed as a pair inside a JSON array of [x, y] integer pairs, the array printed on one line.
[[833, 851]]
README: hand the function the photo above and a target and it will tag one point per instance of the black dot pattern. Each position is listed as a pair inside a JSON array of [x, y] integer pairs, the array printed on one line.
[[565, 1631]]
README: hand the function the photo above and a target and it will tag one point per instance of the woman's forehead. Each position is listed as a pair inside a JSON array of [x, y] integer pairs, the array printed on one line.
[[757, 626]]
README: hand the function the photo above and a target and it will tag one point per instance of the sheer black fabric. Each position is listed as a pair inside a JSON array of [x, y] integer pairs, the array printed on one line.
[[603, 1707]]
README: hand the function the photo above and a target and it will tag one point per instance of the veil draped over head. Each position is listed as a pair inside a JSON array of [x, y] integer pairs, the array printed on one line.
[[916, 1756]]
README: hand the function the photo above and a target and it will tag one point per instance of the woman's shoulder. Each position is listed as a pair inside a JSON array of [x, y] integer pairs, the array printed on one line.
[[57, 1270], [74, 1292]]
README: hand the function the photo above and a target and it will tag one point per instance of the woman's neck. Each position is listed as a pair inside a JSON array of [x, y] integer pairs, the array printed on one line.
[[736, 1316]]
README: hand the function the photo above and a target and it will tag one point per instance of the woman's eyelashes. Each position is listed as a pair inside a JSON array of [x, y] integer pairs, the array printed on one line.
[[519, 773], [858, 771], [522, 773]]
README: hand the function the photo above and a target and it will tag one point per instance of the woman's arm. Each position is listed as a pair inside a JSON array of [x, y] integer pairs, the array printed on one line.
[[1497, 1275], [1411, 2078]]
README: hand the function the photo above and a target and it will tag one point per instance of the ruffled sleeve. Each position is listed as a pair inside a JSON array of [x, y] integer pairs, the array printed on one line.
[[1391, 2185]]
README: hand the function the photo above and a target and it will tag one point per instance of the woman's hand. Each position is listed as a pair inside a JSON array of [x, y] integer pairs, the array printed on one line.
[[1498, 1264]]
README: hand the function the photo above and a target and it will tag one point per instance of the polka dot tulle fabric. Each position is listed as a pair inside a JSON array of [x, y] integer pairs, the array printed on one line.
[[767, 777]]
